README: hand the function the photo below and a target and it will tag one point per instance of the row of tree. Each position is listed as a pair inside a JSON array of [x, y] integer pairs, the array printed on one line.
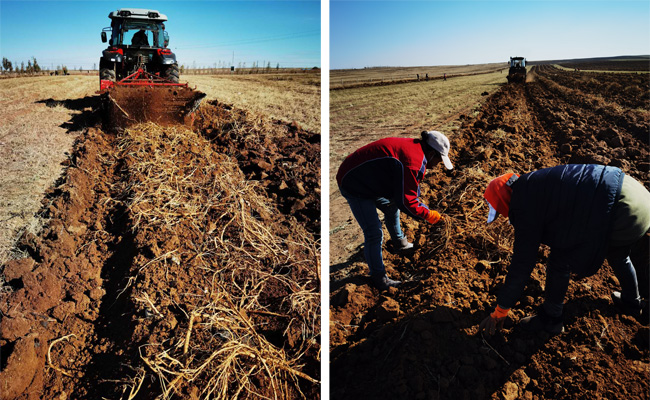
[[226, 67], [32, 67]]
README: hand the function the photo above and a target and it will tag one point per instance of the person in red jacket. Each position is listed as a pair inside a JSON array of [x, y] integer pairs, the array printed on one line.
[[386, 174]]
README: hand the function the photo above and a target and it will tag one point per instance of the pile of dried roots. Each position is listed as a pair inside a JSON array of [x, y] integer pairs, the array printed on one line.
[[229, 297]]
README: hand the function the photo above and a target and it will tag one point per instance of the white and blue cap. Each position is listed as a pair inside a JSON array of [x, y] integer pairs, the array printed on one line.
[[440, 143]]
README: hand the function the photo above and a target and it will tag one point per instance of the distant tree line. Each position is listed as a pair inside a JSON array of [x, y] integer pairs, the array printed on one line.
[[31, 68], [241, 68], [225, 67]]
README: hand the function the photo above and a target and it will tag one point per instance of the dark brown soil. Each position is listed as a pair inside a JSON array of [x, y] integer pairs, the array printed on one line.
[[421, 341], [623, 65], [111, 287]]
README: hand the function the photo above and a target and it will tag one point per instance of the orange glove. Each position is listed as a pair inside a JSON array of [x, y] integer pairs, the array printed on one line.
[[433, 217], [495, 321]]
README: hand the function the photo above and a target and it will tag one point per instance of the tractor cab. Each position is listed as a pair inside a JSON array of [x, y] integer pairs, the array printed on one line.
[[137, 28], [138, 42], [517, 62]]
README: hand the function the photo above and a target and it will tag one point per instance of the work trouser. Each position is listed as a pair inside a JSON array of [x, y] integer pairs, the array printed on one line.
[[558, 276], [365, 212]]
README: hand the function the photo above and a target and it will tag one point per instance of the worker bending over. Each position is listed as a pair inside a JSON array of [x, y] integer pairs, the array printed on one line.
[[584, 213], [386, 174]]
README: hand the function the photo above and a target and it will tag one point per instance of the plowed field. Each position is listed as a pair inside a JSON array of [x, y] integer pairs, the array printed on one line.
[[421, 341], [175, 263]]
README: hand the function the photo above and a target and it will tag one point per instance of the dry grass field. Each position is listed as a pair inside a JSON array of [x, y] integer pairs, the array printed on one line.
[[345, 77], [35, 135], [41, 116], [289, 97]]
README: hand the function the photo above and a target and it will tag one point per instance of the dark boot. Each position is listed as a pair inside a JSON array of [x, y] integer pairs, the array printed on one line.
[[542, 322], [400, 246], [632, 308], [383, 282]]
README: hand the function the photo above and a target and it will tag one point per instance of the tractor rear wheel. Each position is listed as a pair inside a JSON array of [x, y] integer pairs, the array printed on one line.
[[107, 74], [172, 73]]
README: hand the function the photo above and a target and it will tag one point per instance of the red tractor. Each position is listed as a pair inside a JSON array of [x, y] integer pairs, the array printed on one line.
[[139, 74]]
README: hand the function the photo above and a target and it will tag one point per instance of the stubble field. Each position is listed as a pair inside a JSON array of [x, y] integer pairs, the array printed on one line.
[[347, 78], [421, 341]]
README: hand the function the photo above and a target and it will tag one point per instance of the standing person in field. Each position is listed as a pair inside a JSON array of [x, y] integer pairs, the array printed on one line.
[[584, 213], [386, 174]]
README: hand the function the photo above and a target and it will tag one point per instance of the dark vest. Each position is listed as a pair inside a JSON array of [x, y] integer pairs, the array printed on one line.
[[568, 208]]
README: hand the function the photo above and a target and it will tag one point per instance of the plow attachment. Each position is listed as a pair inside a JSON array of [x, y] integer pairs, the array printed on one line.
[[144, 97]]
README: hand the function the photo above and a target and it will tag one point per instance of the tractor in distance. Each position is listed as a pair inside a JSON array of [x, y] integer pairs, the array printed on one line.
[[517, 71]]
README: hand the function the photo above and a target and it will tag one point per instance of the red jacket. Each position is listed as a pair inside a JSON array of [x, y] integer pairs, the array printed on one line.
[[392, 168]]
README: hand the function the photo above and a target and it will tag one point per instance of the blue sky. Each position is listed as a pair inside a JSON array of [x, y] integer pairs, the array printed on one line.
[[202, 33], [362, 33], [418, 33]]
